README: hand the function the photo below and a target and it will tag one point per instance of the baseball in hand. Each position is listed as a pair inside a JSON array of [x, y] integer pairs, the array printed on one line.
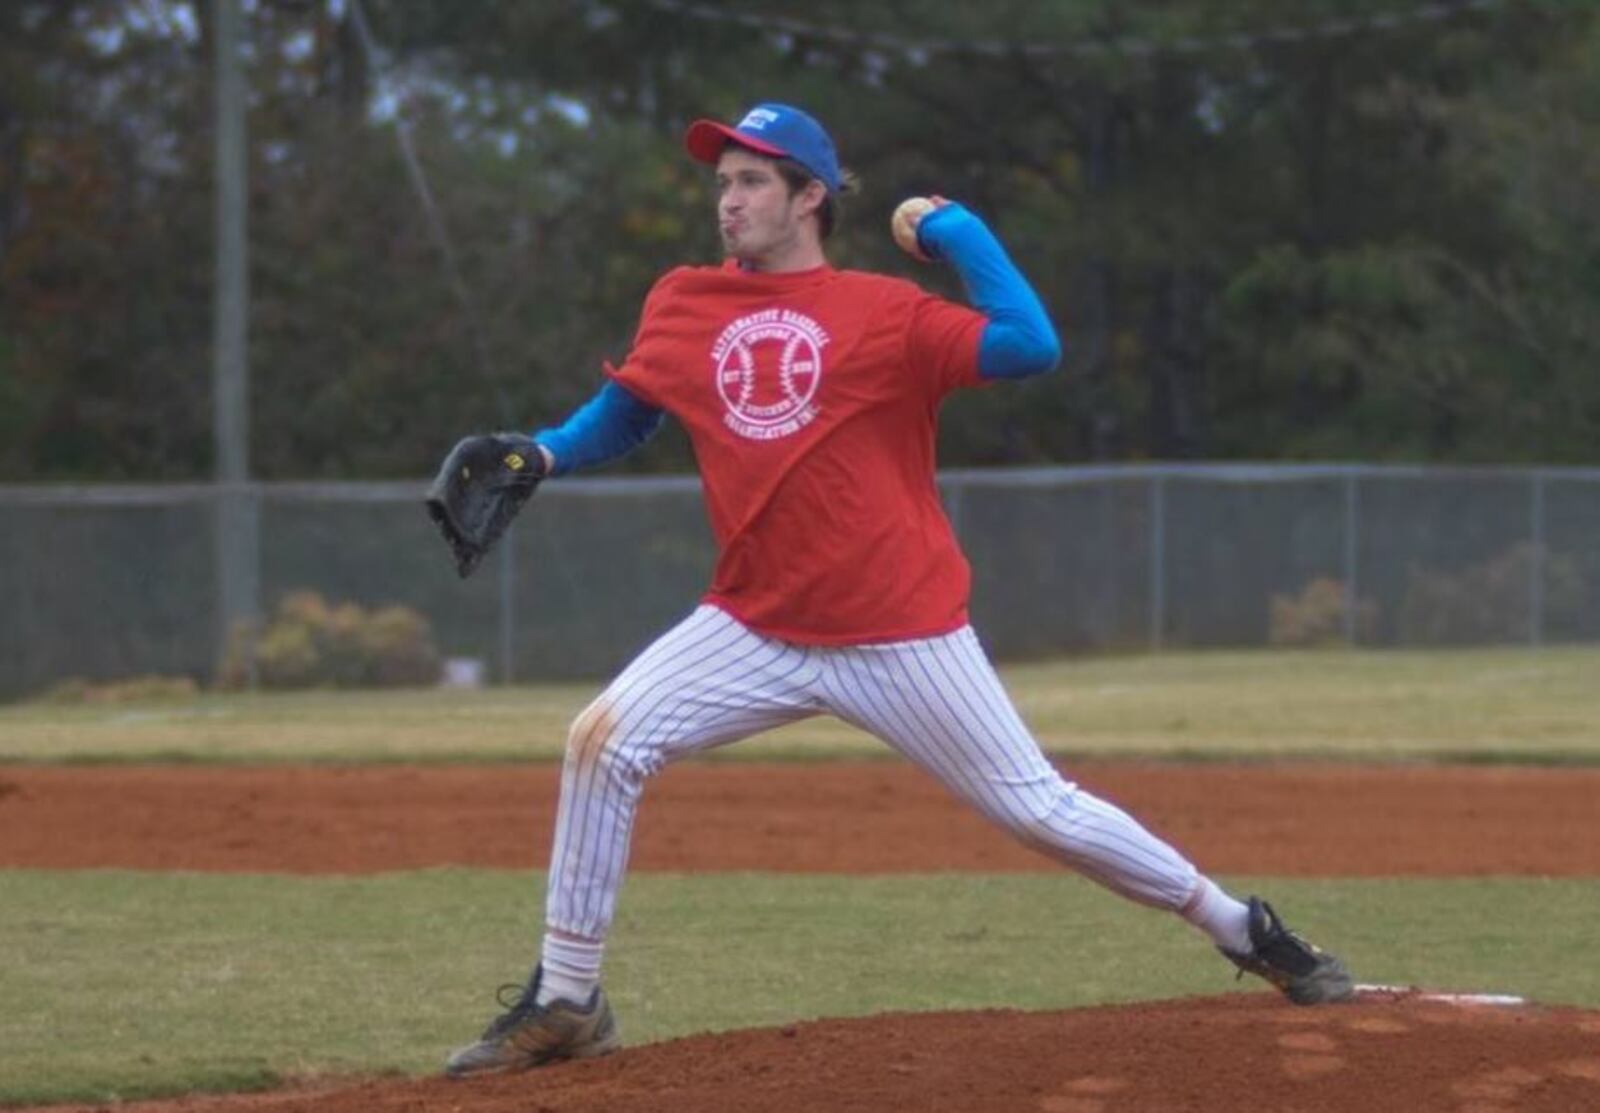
[[907, 215]]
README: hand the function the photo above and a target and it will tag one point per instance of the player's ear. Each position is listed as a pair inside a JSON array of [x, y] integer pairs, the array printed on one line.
[[812, 196]]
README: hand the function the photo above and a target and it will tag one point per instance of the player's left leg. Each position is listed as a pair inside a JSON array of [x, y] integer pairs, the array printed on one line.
[[939, 702]]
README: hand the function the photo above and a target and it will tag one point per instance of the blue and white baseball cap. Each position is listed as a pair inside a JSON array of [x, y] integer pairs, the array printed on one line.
[[778, 130]]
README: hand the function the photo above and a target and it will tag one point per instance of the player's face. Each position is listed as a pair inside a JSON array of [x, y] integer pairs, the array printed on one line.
[[761, 221]]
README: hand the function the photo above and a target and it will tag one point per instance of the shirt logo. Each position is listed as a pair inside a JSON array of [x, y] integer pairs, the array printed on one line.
[[768, 366]]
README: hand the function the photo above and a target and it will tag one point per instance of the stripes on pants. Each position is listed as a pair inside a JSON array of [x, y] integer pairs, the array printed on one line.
[[710, 680]]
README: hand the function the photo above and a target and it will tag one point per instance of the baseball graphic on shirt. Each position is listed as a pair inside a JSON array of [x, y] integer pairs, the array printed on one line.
[[767, 368]]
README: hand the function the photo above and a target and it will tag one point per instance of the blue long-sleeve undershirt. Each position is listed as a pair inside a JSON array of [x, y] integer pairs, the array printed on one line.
[[1019, 339], [611, 424]]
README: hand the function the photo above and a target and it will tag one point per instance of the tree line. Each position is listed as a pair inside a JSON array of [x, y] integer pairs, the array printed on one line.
[[1375, 241]]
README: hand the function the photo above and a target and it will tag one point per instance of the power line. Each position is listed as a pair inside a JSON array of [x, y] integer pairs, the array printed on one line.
[[441, 235], [921, 49]]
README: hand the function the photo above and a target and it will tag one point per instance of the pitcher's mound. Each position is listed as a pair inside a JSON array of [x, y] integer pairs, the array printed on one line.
[[1219, 1055]]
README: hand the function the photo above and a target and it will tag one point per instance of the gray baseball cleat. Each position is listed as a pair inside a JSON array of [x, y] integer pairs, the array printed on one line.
[[528, 1034], [1306, 974]]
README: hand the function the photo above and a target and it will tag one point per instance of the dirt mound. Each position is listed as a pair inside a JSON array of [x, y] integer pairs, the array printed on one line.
[[1206, 1054]]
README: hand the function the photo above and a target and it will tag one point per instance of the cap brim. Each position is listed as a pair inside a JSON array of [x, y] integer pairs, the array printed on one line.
[[706, 139]]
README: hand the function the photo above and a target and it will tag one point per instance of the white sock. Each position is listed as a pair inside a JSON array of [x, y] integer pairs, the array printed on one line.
[[571, 968], [1217, 914]]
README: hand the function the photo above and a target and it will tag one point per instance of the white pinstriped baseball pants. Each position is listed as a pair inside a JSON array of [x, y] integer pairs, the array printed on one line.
[[710, 680]]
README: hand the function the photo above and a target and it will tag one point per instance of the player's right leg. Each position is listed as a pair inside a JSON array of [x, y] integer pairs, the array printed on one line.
[[706, 682]]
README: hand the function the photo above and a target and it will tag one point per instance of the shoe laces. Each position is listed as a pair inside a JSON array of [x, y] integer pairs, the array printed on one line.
[[1282, 948], [519, 1003]]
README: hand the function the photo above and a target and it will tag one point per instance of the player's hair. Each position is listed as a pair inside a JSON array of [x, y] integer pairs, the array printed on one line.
[[795, 176]]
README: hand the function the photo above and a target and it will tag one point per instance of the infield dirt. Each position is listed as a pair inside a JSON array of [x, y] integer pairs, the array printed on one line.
[[857, 817]]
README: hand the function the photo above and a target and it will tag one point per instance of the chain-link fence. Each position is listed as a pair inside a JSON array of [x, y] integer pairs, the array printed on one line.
[[105, 582]]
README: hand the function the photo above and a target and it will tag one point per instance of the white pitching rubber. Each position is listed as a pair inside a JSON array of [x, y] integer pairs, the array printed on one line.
[[1412, 993]]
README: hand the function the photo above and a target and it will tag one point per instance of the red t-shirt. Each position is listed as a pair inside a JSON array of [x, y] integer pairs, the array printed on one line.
[[811, 400]]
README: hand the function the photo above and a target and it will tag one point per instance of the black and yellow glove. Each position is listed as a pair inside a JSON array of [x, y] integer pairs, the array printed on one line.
[[480, 487]]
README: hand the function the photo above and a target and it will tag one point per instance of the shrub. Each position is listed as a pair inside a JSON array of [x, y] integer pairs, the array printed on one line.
[[309, 644], [398, 646], [287, 657], [1316, 617], [1487, 602], [136, 689]]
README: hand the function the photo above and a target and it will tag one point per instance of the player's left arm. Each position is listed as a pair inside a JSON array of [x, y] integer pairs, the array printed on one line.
[[1019, 339]]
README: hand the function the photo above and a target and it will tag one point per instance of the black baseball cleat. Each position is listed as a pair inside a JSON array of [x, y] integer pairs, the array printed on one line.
[[529, 1035], [1306, 974]]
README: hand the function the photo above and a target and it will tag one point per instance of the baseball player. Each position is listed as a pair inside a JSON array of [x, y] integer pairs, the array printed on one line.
[[810, 396]]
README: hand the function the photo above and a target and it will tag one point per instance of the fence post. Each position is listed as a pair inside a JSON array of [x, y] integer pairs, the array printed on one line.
[[508, 598], [1352, 549], [952, 505], [1536, 562], [1158, 559], [238, 554]]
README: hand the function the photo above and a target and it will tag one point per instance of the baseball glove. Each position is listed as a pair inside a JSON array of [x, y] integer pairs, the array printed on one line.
[[480, 487]]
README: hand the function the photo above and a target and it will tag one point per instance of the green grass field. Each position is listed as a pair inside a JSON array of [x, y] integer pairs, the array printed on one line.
[[1485, 705], [125, 984]]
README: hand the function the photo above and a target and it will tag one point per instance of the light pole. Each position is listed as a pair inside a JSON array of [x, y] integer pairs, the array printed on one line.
[[238, 555]]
